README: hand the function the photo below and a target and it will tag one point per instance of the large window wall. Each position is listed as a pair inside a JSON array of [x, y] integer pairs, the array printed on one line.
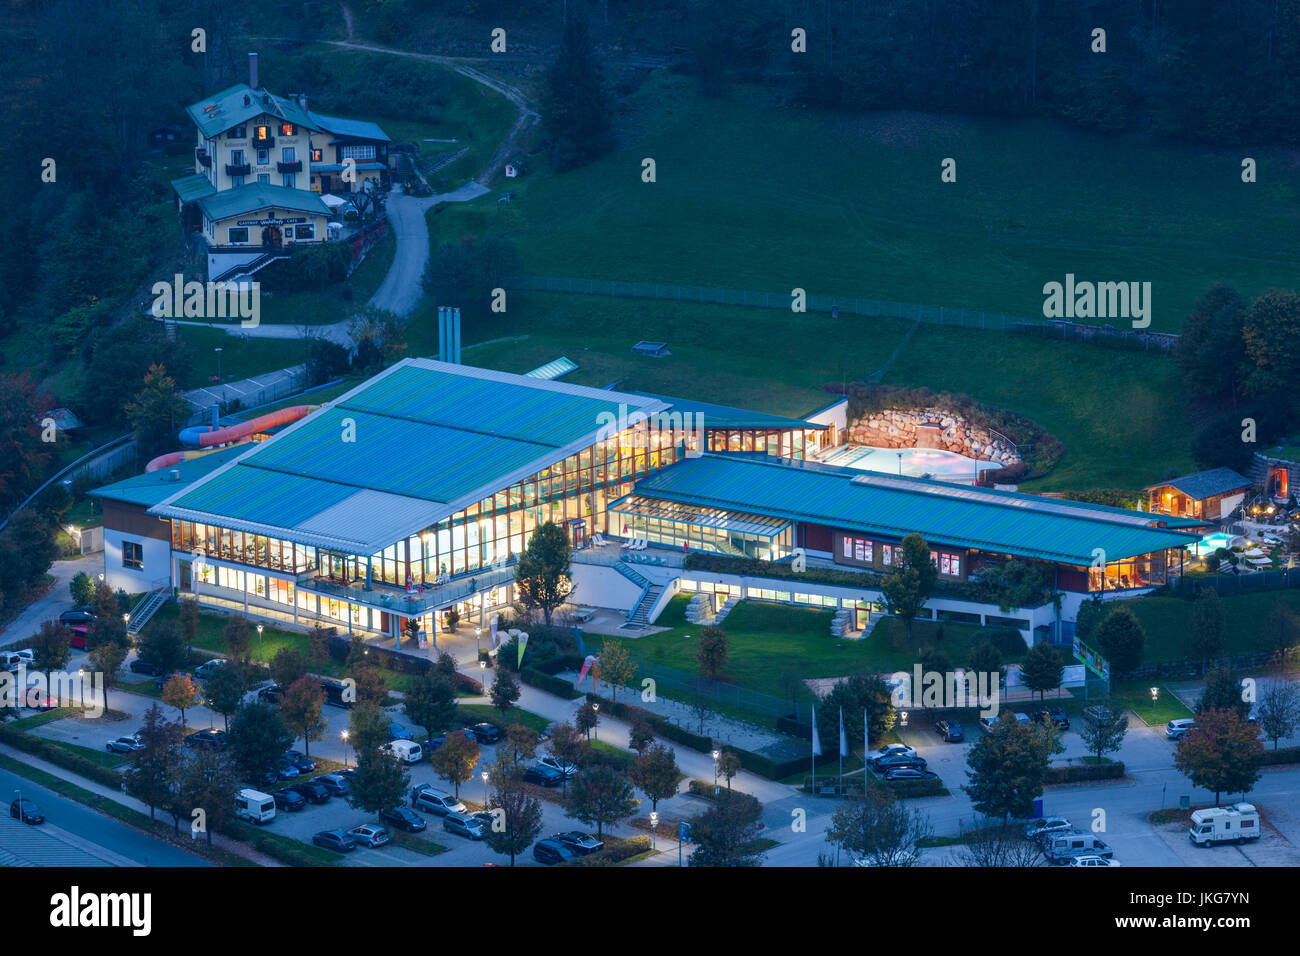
[[781, 442], [1143, 571], [240, 547]]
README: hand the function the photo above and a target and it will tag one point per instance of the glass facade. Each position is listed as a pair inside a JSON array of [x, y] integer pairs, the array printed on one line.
[[781, 442], [712, 530]]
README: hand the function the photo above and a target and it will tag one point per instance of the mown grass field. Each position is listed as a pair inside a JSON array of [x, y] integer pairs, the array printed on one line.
[[751, 194], [1168, 620]]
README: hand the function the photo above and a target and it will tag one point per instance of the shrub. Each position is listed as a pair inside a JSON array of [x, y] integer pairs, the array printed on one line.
[[1076, 773]]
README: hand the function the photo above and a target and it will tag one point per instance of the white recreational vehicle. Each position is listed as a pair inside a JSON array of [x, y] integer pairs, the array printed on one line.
[[254, 806], [1235, 824]]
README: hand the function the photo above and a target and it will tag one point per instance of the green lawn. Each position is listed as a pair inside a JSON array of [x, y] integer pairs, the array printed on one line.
[[1135, 695], [1167, 621], [769, 646], [754, 195], [515, 715]]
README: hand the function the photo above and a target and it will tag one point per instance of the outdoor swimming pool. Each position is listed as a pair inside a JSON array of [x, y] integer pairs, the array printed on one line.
[[1212, 542], [913, 462]]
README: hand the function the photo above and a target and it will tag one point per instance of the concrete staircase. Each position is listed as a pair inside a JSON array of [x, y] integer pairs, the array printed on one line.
[[699, 610], [727, 607], [640, 615]]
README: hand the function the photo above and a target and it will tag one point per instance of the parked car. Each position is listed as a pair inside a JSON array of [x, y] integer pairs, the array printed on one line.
[[1055, 715], [206, 669], [124, 745], [555, 763], [1177, 729], [370, 835], [1021, 718], [1098, 714], [287, 799], [81, 615], [403, 819], [27, 811], [207, 739], [285, 770], [1090, 860], [340, 841], [899, 761], [336, 783], [1035, 829], [1061, 848], [270, 695], [463, 825], [484, 817], [397, 732], [138, 666], [304, 763], [950, 731], [425, 797], [579, 842], [550, 852], [544, 775], [312, 791], [485, 733], [890, 750], [406, 751], [907, 773], [988, 724]]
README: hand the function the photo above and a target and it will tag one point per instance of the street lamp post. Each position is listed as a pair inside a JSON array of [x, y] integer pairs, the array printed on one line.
[[478, 642], [717, 755], [347, 760], [654, 825], [485, 792], [482, 669], [261, 652], [595, 727], [1155, 693], [218, 351]]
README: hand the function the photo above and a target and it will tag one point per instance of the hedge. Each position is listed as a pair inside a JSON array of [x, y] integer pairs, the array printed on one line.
[[552, 685], [40, 747], [1076, 773], [615, 852], [1281, 756]]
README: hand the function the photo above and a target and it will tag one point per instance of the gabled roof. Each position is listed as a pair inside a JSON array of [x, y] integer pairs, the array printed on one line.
[[253, 196], [399, 453], [193, 187], [1049, 529], [354, 129], [241, 103], [1205, 484]]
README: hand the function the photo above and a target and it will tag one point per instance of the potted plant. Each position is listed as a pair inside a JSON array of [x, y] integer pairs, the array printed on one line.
[[451, 619]]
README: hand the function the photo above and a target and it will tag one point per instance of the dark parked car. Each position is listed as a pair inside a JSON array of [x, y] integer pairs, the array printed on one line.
[[207, 739], [544, 775], [138, 666], [304, 763], [270, 695], [552, 851], [340, 841], [1055, 715], [579, 842], [80, 615], [949, 730], [433, 743], [485, 733], [403, 819], [899, 762], [336, 783], [27, 811], [907, 773], [397, 732], [285, 770], [287, 799], [313, 791]]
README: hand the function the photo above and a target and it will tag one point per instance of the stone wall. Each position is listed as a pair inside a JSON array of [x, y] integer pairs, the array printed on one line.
[[898, 428]]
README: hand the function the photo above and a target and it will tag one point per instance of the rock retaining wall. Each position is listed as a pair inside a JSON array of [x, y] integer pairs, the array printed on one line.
[[901, 428]]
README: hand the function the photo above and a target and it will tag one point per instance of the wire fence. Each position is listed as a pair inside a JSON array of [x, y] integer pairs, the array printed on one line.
[[689, 685], [1104, 335]]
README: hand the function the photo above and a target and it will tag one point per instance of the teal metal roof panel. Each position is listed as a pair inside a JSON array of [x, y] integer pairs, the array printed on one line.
[[724, 416], [357, 129], [255, 196], [193, 187], [151, 487], [940, 512], [263, 497], [228, 109]]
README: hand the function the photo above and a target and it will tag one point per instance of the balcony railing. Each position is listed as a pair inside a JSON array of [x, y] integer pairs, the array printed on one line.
[[400, 601], [203, 156], [238, 169], [257, 558], [268, 143], [292, 167]]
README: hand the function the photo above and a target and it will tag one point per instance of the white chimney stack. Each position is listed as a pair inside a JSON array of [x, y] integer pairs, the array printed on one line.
[[252, 70]]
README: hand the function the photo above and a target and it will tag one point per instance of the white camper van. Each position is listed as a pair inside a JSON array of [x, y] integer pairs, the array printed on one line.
[[254, 806], [1235, 824]]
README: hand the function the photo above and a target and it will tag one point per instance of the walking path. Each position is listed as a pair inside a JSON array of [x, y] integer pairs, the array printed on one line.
[[56, 600]]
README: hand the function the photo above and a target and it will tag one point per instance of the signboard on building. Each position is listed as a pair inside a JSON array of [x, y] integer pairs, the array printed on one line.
[[270, 222]]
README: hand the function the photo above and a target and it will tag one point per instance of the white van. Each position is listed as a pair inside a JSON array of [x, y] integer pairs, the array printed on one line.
[[1235, 824], [1064, 847], [254, 806], [407, 751]]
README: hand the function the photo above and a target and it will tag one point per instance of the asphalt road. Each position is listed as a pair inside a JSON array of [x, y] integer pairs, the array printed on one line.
[[73, 835]]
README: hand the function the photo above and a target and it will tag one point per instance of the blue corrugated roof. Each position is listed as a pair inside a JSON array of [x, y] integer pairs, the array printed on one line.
[[709, 415], [151, 487], [893, 506], [357, 129], [254, 196]]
